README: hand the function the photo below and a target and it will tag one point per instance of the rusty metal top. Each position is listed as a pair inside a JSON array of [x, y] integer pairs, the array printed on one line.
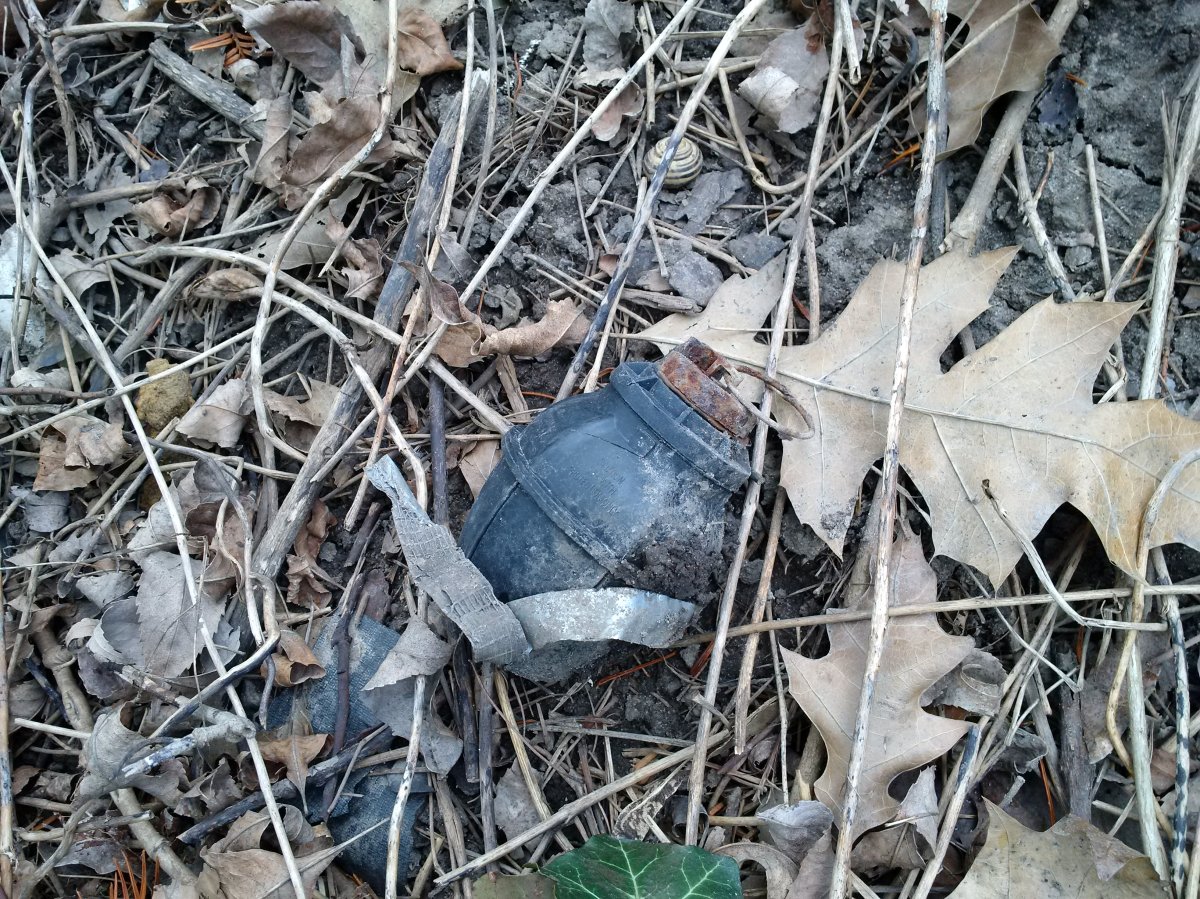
[[692, 371]]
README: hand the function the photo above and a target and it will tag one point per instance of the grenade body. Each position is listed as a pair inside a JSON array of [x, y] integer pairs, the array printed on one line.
[[594, 480]]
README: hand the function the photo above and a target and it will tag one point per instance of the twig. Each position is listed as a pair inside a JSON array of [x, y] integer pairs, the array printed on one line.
[[215, 94], [966, 763], [742, 698], [406, 781], [1029, 208], [886, 498], [1166, 247]]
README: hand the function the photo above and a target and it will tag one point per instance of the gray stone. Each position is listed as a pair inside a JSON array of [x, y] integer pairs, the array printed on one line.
[[694, 277], [755, 250]]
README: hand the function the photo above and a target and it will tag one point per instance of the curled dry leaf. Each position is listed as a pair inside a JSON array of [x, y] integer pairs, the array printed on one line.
[[421, 45], [226, 285], [1012, 56], [277, 133], [1072, 859], [218, 421], [182, 211], [306, 579], [295, 662], [788, 78], [161, 401], [53, 473], [916, 653], [629, 103], [478, 463]]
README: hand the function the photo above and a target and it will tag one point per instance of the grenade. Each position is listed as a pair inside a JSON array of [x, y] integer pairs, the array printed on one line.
[[581, 492]]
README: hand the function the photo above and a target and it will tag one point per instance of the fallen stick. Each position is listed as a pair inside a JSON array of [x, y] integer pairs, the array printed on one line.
[[220, 97]]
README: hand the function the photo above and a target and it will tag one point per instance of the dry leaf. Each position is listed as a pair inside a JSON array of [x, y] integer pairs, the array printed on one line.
[[53, 473], [788, 78], [1013, 56], [629, 103], [1017, 414], [179, 211], [277, 133], [294, 752], [161, 401], [478, 463], [794, 829], [295, 662], [514, 808], [1072, 859], [329, 144], [226, 285], [604, 22], [299, 420], [218, 421], [306, 579], [312, 246], [909, 838], [311, 35], [111, 747], [916, 653], [239, 868], [79, 273], [91, 442], [421, 45], [418, 651], [168, 622]]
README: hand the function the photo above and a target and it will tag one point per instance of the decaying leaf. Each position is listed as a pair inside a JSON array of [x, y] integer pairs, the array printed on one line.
[[1012, 56], [307, 581], [1072, 859], [421, 45], [1016, 416], [908, 839], [629, 103], [604, 22], [91, 442], [165, 399], [479, 462], [237, 867], [111, 747], [418, 651], [788, 78], [173, 213], [218, 421], [168, 622], [916, 653], [295, 662]]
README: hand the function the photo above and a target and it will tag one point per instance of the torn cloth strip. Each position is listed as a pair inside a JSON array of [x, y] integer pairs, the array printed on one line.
[[439, 568]]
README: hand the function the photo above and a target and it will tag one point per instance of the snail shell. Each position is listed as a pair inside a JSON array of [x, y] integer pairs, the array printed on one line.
[[684, 167]]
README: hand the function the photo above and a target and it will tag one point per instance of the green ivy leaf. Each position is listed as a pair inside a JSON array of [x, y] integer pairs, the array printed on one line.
[[609, 868]]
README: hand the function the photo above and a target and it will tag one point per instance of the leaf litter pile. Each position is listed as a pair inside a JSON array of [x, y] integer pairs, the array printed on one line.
[[277, 279]]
